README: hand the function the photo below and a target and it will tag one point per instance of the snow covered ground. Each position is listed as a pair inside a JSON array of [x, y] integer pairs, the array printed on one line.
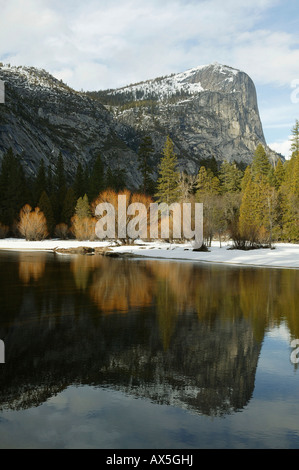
[[283, 256]]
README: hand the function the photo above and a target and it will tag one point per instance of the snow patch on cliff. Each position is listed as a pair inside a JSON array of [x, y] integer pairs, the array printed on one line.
[[181, 83]]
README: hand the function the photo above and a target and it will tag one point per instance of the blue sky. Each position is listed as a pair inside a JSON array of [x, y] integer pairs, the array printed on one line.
[[99, 44]]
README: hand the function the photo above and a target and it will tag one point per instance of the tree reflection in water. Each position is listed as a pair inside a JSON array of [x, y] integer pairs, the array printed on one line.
[[31, 266], [181, 333]]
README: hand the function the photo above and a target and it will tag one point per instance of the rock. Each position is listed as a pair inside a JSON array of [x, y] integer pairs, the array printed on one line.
[[42, 116], [208, 111], [97, 251], [102, 251], [81, 250]]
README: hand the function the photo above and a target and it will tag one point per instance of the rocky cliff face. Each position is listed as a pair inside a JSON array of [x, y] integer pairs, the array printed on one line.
[[208, 111], [42, 116]]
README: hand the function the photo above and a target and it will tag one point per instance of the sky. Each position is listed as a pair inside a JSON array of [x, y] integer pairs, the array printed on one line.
[[101, 44]]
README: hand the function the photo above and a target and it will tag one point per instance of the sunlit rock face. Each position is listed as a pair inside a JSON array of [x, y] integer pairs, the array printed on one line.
[[208, 111]]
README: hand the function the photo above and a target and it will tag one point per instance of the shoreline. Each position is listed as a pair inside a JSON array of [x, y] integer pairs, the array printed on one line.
[[285, 255]]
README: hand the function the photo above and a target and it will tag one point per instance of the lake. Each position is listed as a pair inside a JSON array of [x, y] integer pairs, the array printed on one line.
[[114, 353]]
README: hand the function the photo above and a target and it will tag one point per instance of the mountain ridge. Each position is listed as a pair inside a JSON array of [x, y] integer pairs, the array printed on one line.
[[212, 111], [208, 111], [181, 80]]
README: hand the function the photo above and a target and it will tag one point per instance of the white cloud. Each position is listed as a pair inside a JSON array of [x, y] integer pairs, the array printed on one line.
[[269, 57], [125, 41], [99, 44], [282, 147]]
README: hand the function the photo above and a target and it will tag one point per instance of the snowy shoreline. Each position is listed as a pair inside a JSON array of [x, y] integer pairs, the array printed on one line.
[[283, 256]]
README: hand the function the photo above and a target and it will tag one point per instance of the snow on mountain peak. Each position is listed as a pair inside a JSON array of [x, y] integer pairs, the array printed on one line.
[[161, 88], [29, 77], [183, 83]]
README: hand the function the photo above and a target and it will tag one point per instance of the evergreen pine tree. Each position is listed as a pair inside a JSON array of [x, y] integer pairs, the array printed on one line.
[[59, 176], [168, 180], [116, 180], [295, 138], [290, 199], [68, 208], [82, 208], [40, 184], [207, 192], [246, 178], [258, 210], [79, 187], [278, 174], [120, 178], [86, 177], [213, 165], [45, 206], [230, 176], [209, 164], [96, 183], [261, 165], [295, 177], [248, 220], [271, 177], [83, 224], [13, 188], [49, 182], [109, 179], [60, 188], [207, 183], [145, 151]]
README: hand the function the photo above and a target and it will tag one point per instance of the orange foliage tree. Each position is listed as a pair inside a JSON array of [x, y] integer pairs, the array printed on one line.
[[61, 231], [122, 217], [84, 229], [83, 224], [32, 224]]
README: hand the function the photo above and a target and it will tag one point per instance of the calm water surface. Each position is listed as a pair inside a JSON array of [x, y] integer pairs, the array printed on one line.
[[143, 354]]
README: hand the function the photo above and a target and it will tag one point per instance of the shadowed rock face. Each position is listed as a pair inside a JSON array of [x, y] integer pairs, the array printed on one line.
[[42, 116], [208, 111]]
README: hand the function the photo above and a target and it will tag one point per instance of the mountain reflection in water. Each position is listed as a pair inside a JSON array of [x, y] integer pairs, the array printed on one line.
[[176, 333]]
